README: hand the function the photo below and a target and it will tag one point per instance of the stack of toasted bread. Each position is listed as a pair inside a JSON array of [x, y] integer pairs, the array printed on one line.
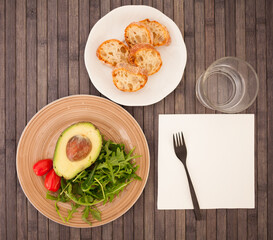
[[134, 63]]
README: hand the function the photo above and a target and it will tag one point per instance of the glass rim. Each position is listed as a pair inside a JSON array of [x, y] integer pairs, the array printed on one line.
[[213, 106]]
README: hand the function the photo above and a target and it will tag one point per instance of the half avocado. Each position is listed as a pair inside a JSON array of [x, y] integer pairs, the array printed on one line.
[[77, 148]]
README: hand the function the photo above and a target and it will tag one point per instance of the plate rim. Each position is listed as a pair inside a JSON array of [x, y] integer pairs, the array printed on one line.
[[78, 96], [134, 103]]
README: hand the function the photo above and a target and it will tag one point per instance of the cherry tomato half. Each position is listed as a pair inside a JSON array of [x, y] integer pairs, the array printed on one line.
[[42, 167], [52, 181]]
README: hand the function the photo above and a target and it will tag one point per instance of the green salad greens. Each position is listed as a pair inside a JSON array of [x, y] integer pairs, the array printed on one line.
[[100, 183]]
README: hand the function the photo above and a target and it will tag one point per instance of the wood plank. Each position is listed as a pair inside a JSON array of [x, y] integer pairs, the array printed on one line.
[[251, 58], [139, 205], [52, 67], [118, 229], [10, 136], [83, 35], [148, 2], [3, 222], [41, 53], [169, 109], [159, 219], [84, 78], [63, 68], [42, 85], [199, 28], [180, 215], [136, 2], [262, 120], [149, 191], [73, 66], [94, 17], [126, 2], [73, 46], [211, 227], [52, 70], [220, 52], [20, 107], [94, 13], [31, 94], [107, 230], [269, 76], [240, 52], [63, 49], [189, 92], [232, 214]]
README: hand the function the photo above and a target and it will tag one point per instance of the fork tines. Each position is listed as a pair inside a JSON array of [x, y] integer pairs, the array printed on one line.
[[178, 139]]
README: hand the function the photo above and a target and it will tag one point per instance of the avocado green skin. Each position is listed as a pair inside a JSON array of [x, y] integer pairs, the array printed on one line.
[[89, 163]]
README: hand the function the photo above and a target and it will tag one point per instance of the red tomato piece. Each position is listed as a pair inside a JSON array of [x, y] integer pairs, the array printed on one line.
[[42, 167], [52, 181]]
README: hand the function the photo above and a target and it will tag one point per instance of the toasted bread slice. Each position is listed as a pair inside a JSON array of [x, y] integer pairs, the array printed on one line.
[[113, 52], [160, 33], [137, 33], [129, 78], [145, 56]]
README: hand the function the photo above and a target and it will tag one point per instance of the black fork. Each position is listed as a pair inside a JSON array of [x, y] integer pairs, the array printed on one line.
[[181, 152]]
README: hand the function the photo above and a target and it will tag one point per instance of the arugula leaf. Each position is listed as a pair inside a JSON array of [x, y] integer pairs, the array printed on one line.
[[74, 208], [96, 214], [86, 185], [51, 197], [85, 215], [57, 210], [102, 182]]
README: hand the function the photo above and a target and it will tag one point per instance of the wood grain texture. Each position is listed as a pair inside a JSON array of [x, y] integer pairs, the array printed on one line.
[[159, 222], [31, 32], [52, 78], [220, 51], [21, 107], [3, 222], [42, 45], [251, 58], [269, 77], [189, 91], [240, 52], [262, 121], [211, 215], [199, 30], [180, 215], [52, 51], [230, 27], [42, 85]]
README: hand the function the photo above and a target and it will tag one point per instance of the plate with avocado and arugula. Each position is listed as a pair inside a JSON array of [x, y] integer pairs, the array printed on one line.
[[82, 161]]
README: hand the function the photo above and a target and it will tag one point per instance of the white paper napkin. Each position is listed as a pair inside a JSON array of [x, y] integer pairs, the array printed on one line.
[[220, 161]]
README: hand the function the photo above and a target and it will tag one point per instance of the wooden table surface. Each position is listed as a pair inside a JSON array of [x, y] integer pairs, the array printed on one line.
[[41, 59]]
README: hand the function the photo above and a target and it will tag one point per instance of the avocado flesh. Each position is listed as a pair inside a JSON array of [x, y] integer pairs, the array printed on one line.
[[61, 163]]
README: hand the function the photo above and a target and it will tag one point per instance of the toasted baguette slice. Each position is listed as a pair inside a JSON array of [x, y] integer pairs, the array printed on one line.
[[129, 78], [160, 33], [137, 33], [145, 56], [113, 52]]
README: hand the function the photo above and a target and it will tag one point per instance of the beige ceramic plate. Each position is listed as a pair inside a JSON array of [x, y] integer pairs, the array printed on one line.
[[38, 142]]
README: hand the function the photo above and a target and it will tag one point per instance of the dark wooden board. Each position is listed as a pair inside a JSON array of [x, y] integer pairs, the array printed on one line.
[[42, 59]]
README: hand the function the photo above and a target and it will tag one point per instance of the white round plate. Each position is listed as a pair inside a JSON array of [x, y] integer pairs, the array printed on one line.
[[160, 84]]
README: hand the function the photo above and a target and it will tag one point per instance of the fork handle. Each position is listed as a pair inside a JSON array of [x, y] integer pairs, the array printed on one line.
[[197, 211]]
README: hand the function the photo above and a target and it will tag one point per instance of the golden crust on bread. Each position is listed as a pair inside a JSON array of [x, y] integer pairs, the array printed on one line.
[[145, 56], [128, 78], [160, 33], [112, 52], [136, 33]]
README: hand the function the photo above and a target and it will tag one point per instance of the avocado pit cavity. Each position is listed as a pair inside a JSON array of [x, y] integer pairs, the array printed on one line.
[[78, 148]]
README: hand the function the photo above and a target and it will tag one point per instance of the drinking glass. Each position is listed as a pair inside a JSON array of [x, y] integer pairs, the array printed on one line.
[[229, 85]]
